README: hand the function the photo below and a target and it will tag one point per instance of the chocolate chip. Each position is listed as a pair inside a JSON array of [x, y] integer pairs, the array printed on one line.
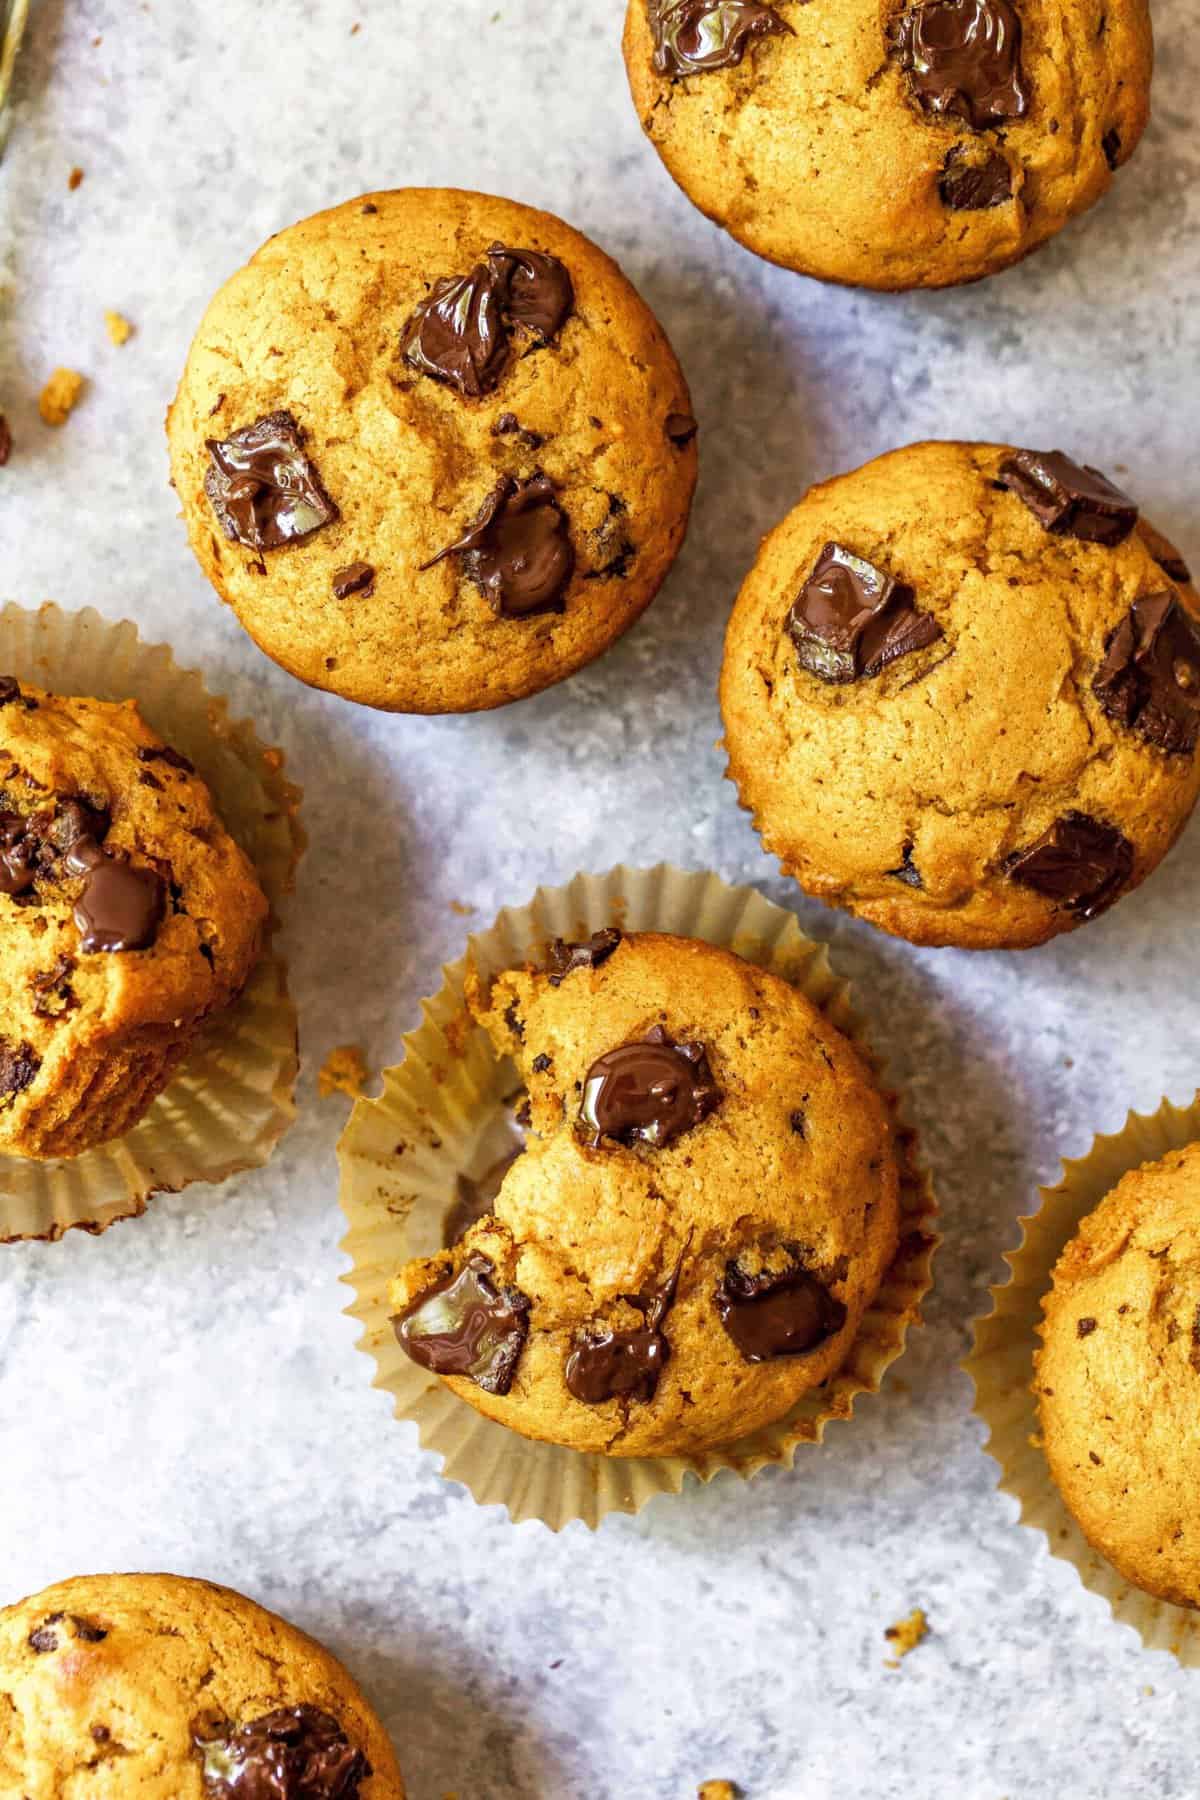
[[648, 1092], [508, 425], [294, 1753], [174, 759], [467, 1325], [610, 1364], [786, 1312], [474, 1200], [963, 58], [19, 848], [1079, 862], [540, 1064], [86, 1631], [535, 289], [517, 548], [851, 619], [43, 1640], [355, 578], [19, 1065], [681, 428], [1110, 143], [264, 489], [119, 906], [1149, 680], [1084, 1327], [513, 1020], [459, 333], [9, 690], [695, 37], [799, 1123], [974, 185], [1068, 499], [1165, 554], [369, 206], [595, 950], [908, 871], [6, 441]]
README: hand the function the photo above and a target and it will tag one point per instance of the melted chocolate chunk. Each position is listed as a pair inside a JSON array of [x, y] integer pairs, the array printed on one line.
[[174, 759], [1150, 678], [18, 855], [1110, 143], [517, 548], [120, 906], [1069, 500], [908, 871], [460, 332], [9, 690], [1165, 554], [597, 949], [474, 1200], [466, 1325], [625, 1365], [355, 578], [508, 425], [695, 37], [851, 619], [963, 57], [649, 1091], [295, 1753], [45, 1638], [1080, 863], [787, 1312], [19, 1065], [535, 289], [681, 428], [263, 488], [52, 990], [969, 185]]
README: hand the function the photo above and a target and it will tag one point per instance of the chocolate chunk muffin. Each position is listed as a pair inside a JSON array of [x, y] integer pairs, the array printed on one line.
[[162, 1688], [908, 143], [433, 449], [961, 693], [1118, 1376], [127, 917], [705, 1208]]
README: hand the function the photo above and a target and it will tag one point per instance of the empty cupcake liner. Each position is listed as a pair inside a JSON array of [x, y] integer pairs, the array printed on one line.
[[1001, 1367], [232, 1101], [445, 1112]]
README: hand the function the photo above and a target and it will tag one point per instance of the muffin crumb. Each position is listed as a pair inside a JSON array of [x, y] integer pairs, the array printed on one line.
[[75, 178], [60, 396], [344, 1071], [118, 327], [718, 1790], [905, 1635]]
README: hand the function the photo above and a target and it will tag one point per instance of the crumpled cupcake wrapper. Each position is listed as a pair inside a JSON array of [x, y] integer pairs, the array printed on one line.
[[1001, 1367], [232, 1101], [442, 1112]]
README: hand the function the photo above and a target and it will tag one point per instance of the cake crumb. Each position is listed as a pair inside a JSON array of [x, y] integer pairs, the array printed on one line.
[[5, 441], [74, 178], [60, 396], [344, 1071], [905, 1635], [118, 327], [717, 1790], [461, 908]]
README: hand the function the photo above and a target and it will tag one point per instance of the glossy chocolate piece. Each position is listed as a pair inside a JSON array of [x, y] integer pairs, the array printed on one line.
[[590, 954], [696, 37], [18, 855], [852, 620], [355, 578], [1068, 499], [786, 1312], [974, 185], [294, 1753], [119, 906], [963, 58], [1165, 554], [474, 1200], [466, 1325], [624, 1365], [517, 548], [457, 333], [19, 1064], [648, 1092], [1079, 863], [1150, 677], [535, 289], [264, 489]]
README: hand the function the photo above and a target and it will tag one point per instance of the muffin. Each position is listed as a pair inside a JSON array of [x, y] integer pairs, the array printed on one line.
[[433, 449], [162, 1688], [891, 145], [704, 1210], [1118, 1372], [129, 916], [961, 694]]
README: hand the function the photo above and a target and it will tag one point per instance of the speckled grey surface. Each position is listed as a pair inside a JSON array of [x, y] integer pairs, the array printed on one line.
[[184, 1393]]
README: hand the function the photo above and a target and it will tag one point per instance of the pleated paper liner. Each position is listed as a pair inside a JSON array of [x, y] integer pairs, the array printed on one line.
[[445, 1111], [232, 1100], [14, 15], [1001, 1367]]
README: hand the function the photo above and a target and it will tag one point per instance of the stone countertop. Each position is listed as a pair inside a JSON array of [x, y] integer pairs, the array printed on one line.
[[184, 1393]]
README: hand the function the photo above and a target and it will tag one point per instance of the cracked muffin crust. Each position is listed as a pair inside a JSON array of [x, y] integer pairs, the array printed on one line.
[[705, 1208], [891, 143], [961, 694], [433, 449], [128, 916], [1117, 1378], [157, 1687]]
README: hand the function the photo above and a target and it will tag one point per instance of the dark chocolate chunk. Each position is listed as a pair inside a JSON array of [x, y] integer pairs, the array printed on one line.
[[457, 333], [785, 1312], [52, 990], [1165, 554], [369, 206], [535, 289], [851, 619], [597, 949], [45, 1638], [517, 548], [18, 855], [1068, 499], [87, 1631], [174, 759], [508, 425], [1079, 862], [694, 37], [263, 488], [648, 1092], [540, 1064], [1084, 1327], [19, 1065], [626, 1365], [474, 1200], [355, 578], [681, 428], [9, 690], [970, 184], [1150, 677], [294, 1753], [963, 57], [119, 906], [908, 871], [467, 1325], [1110, 143]]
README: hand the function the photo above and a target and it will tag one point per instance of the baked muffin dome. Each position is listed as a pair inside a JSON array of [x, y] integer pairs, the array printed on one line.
[[961, 693], [1118, 1376], [908, 143], [706, 1206], [164, 1688], [128, 916], [433, 449]]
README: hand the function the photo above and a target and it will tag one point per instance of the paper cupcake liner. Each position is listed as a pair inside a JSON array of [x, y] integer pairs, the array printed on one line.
[[442, 1114], [232, 1100], [13, 17], [1001, 1367]]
